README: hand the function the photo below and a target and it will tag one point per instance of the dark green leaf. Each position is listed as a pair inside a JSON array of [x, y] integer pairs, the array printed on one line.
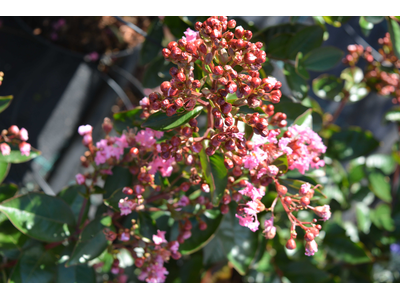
[[121, 177], [296, 83], [328, 87], [35, 266], [113, 200], [7, 190], [268, 34], [373, 19], [351, 143], [160, 121], [277, 48], [305, 40], [156, 72], [150, 49], [291, 109], [381, 217], [75, 274], [5, 102], [15, 156], [10, 237], [294, 185], [176, 25], [238, 243], [72, 195], [91, 243], [147, 226], [322, 59], [282, 163], [43, 217], [125, 119], [365, 26], [199, 238], [4, 168], [393, 115], [380, 185], [302, 271], [341, 247], [300, 67], [394, 30]]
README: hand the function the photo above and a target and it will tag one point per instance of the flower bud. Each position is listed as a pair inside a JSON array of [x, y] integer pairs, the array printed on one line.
[[304, 201], [239, 32], [139, 189], [291, 244], [311, 248], [323, 212], [127, 191], [282, 190]]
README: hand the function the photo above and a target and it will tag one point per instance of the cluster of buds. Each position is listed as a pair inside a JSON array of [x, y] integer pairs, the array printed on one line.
[[14, 136], [230, 64], [377, 76], [1, 77]]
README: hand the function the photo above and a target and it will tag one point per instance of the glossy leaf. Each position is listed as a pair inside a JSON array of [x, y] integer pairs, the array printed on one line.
[[7, 190], [384, 162], [156, 72], [277, 48], [91, 243], [393, 115], [294, 185], [305, 119], [75, 274], [35, 266], [10, 237], [380, 185], [365, 26], [305, 40], [394, 30], [15, 156], [4, 168], [363, 217], [268, 34], [149, 49], [381, 217], [43, 217], [328, 87], [199, 238], [300, 67], [351, 143], [125, 119], [322, 59], [238, 243], [296, 83], [373, 19], [113, 200], [73, 196], [282, 163], [5, 102], [121, 177], [160, 121], [291, 109]]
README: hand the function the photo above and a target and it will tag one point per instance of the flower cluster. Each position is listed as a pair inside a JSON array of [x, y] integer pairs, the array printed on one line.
[[168, 168], [14, 136]]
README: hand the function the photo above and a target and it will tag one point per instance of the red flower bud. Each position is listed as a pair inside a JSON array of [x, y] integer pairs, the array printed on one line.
[[291, 244]]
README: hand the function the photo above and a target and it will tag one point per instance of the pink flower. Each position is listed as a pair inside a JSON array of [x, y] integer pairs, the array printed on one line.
[[174, 246], [159, 238], [80, 179], [144, 102], [85, 129], [252, 192], [25, 148], [311, 248], [155, 273], [250, 162], [146, 138], [125, 206], [162, 165], [5, 149], [190, 35], [239, 136], [261, 173], [248, 221], [125, 236], [23, 134], [272, 136], [272, 170], [323, 212], [282, 144], [183, 201], [304, 189], [270, 229]]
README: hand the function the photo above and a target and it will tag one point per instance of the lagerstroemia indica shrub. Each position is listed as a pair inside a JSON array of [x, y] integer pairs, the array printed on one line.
[[195, 176]]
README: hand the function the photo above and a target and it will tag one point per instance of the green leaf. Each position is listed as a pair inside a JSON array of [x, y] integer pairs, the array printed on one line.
[[365, 26], [35, 266], [282, 163], [125, 119], [305, 119], [150, 49], [5, 102], [156, 72], [341, 247], [305, 40], [363, 217], [351, 143], [216, 175], [75, 274], [322, 59], [268, 34], [160, 121], [381, 217], [328, 87], [4, 168], [10, 237], [393, 115], [353, 75], [72, 195], [121, 177], [176, 25], [302, 271], [113, 200], [7, 190], [277, 48], [15, 156], [296, 83], [43, 217], [373, 19], [91, 243], [380, 185], [238, 243], [291, 109], [394, 30], [294, 185], [384, 162], [336, 21], [300, 68], [199, 238]]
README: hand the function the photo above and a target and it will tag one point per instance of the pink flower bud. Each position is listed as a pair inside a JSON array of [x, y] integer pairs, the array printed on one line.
[[272, 170], [159, 238], [87, 139], [85, 129], [323, 212], [5, 149], [23, 134], [304, 189], [311, 248], [25, 148], [80, 179], [205, 187], [125, 237], [270, 229]]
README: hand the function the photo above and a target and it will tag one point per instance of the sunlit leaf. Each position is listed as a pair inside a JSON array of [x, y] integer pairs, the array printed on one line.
[[322, 59], [394, 30], [125, 119], [5, 102], [15, 156], [328, 87], [380, 185]]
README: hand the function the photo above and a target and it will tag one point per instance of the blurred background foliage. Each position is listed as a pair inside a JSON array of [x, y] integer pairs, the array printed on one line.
[[360, 126]]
